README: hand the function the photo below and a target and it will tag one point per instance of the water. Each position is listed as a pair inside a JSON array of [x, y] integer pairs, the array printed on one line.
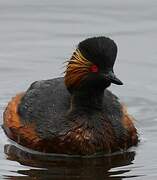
[[37, 36]]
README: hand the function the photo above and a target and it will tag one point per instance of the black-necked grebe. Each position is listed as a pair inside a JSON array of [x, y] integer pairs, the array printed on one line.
[[74, 114]]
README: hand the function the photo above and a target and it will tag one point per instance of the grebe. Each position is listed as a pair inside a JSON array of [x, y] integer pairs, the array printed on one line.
[[74, 114]]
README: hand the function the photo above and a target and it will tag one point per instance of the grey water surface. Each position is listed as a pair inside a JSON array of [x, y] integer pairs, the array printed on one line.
[[37, 36]]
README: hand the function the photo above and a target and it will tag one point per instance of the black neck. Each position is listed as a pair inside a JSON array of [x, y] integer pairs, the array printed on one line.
[[87, 99]]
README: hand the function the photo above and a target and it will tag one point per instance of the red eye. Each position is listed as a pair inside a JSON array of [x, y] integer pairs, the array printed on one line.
[[94, 68]]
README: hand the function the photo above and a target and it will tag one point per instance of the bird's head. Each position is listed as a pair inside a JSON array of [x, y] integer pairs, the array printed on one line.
[[91, 65]]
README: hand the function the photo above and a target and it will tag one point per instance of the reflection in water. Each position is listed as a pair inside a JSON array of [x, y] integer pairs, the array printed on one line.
[[49, 166]]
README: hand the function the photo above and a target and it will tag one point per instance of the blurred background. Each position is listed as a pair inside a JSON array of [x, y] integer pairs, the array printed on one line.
[[37, 36]]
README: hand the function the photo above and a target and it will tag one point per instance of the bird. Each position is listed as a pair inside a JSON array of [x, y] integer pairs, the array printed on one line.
[[75, 114]]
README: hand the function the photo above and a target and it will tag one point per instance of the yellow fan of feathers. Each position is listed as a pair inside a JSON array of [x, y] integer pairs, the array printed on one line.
[[77, 69]]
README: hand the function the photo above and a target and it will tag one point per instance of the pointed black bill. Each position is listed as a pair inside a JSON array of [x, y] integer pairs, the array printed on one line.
[[113, 79]]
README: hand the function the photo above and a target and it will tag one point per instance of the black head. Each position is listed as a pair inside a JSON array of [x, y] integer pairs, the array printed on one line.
[[101, 51], [92, 64]]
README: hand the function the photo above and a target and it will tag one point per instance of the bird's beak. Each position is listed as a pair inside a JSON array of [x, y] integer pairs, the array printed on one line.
[[112, 78]]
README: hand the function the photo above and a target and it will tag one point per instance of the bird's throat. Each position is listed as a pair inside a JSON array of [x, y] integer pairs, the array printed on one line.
[[89, 99]]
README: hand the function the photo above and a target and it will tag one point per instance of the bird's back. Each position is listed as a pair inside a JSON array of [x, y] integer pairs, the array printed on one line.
[[45, 103]]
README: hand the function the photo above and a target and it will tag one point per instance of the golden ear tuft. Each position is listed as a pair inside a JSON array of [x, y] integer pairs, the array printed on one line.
[[77, 69]]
